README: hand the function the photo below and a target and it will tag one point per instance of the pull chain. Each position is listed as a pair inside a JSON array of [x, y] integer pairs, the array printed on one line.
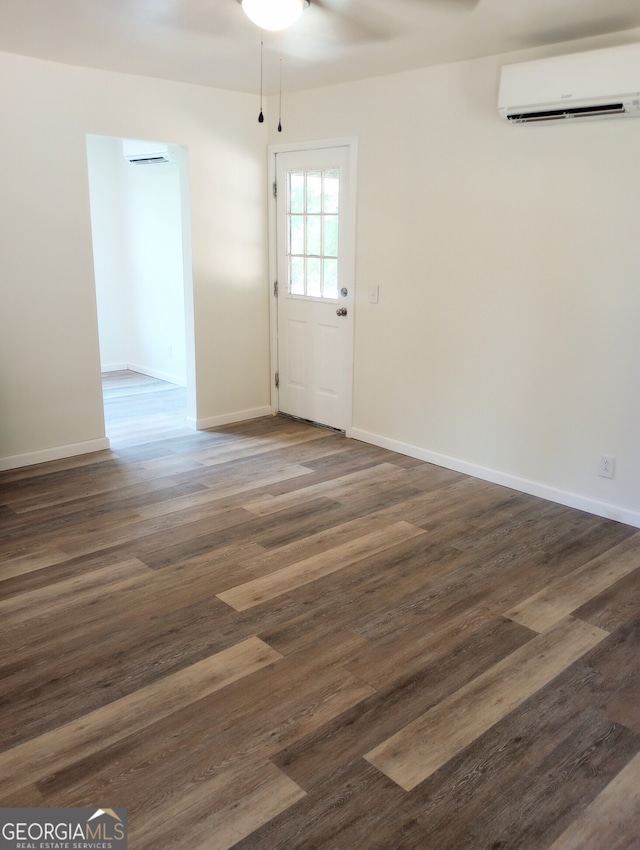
[[280, 97], [261, 116]]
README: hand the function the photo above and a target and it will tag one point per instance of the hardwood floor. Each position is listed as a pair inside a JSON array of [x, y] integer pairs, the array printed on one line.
[[139, 408], [269, 636]]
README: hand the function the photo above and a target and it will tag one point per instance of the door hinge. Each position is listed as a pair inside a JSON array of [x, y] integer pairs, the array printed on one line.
[[275, 190], [277, 379], [275, 288]]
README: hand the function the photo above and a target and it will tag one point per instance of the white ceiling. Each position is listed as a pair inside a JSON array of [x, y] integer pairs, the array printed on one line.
[[212, 43]]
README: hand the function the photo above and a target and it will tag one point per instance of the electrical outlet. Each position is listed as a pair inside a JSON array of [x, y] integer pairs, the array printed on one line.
[[606, 466]]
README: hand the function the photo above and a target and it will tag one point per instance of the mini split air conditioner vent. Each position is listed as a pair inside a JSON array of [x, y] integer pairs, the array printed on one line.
[[147, 160], [559, 114], [139, 152], [581, 86]]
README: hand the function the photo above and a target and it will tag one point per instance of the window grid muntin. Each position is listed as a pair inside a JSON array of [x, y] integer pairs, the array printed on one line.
[[313, 208]]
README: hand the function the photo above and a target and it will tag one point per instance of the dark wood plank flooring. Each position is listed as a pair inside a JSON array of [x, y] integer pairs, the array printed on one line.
[[269, 636]]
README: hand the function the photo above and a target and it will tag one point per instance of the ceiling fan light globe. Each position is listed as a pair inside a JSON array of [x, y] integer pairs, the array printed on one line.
[[273, 14]]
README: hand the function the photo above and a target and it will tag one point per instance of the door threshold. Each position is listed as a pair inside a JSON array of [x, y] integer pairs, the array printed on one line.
[[311, 422]]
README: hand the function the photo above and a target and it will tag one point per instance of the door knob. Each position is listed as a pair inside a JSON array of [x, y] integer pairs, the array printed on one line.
[[341, 311]]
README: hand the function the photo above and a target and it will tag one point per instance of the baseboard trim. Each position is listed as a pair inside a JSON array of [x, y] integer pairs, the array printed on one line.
[[229, 418], [114, 367], [157, 373], [523, 485], [56, 453], [149, 371]]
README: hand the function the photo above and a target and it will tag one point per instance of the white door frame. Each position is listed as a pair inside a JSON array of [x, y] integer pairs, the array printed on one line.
[[352, 145]]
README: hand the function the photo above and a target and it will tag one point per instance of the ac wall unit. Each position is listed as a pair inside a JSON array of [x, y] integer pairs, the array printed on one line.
[[139, 152], [598, 84]]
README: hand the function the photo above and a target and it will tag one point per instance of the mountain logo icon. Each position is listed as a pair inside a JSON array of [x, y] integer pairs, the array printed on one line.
[[99, 812]]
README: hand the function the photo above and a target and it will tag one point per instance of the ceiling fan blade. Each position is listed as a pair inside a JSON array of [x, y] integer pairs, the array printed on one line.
[[354, 20], [371, 21], [466, 5]]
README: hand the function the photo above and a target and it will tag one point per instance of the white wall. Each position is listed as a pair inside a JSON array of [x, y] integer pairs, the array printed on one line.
[[508, 262], [50, 390], [109, 225], [138, 259], [158, 343]]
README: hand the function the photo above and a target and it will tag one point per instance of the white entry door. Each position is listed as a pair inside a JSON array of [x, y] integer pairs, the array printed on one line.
[[314, 234]]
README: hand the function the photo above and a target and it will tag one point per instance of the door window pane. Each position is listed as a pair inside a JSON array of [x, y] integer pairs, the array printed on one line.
[[313, 227], [296, 276], [314, 235], [314, 192], [331, 235], [297, 234], [330, 278], [296, 189], [314, 277], [331, 190]]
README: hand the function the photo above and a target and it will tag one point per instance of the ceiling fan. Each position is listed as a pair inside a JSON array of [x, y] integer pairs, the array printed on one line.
[[278, 15]]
